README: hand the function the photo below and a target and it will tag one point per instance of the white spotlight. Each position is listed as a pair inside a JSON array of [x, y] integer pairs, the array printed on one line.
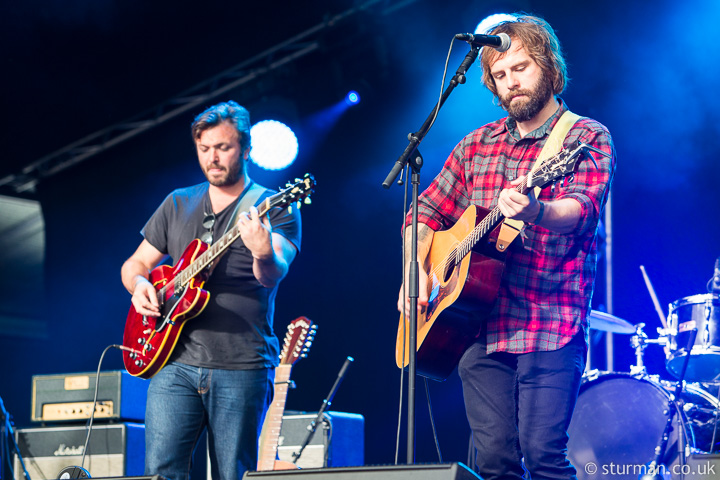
[[488, 23], [274, 145]]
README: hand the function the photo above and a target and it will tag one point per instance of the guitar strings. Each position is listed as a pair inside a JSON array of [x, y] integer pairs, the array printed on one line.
[[489, 222], [480, 230], [206, 257]]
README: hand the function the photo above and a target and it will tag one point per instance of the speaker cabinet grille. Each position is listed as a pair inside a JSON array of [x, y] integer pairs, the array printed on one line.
[[114, 450]]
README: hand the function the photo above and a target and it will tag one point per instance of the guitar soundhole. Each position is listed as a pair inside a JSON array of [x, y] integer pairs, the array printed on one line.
[[449, 269]]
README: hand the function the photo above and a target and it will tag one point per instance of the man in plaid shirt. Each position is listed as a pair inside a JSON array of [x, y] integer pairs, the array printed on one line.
[[521, 377]]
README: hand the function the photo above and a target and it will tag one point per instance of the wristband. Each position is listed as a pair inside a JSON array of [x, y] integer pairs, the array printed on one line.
[[540, 214]]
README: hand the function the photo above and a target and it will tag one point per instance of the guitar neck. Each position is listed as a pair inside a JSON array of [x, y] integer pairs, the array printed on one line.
[[485, 226], [215, 250], [273, 419]]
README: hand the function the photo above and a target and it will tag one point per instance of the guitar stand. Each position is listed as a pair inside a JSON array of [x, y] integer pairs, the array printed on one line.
[[6, 432], [674, 403]]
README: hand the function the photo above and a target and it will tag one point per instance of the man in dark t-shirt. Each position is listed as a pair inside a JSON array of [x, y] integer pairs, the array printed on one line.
[[220, 375]]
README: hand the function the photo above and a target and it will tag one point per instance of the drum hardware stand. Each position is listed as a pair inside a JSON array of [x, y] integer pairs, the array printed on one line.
[[675, 402], [639, 341]]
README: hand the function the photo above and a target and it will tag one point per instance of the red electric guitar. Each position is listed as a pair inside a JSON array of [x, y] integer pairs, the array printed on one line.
[[464, 271], [151, 340], [299, 337]]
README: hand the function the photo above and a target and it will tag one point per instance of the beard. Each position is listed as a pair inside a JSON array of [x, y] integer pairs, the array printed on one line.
[[230, 177], [525, 109]]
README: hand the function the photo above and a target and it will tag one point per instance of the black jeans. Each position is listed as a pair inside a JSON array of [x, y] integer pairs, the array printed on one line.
[[519, 408]]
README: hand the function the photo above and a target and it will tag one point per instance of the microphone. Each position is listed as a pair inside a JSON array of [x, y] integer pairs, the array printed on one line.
[[500, 42], [716, 277]]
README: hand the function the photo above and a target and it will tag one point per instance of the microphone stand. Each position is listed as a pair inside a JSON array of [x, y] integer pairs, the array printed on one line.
[[412, 156], [6, 431], [326, 403]]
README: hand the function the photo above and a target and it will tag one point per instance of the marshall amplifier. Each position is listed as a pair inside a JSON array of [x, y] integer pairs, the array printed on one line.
[[69, 397], [339, 440], [114, 450]]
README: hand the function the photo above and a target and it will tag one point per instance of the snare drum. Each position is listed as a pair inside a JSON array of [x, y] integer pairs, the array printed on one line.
[[701, 312], [619, 419]]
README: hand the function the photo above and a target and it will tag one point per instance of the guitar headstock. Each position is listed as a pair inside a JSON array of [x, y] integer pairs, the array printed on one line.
[[294, 193], [298, 339], [560, 165]]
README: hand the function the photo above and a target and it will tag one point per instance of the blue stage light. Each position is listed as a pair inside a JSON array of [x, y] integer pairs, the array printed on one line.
[[352, 98], [274, 145]]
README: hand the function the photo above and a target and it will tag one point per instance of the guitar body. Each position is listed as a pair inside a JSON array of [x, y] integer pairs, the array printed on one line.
[[154, 338], [461, 295]]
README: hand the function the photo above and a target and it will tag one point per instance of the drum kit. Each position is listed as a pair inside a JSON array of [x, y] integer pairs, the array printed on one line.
[[637, 421]]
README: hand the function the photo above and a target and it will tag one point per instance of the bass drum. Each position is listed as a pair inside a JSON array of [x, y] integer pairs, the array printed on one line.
[[618, 421]]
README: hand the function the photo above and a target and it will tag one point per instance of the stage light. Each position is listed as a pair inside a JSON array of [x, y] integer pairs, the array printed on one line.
[[274, 145], [352, 98], [488, 23]]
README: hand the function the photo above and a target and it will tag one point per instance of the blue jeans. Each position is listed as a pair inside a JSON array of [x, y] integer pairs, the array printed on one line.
[[519, 409], [183, 401]]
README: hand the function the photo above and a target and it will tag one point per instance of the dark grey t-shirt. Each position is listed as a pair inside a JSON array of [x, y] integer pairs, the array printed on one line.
[[235, 330]]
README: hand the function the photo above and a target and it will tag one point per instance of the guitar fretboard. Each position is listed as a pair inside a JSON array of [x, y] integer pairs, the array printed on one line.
[[557, 166], [486, 225], [214, 251]]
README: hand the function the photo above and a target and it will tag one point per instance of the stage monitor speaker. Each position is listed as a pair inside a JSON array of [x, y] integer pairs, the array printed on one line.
[[699, 466], [115, 450], [450, 471]]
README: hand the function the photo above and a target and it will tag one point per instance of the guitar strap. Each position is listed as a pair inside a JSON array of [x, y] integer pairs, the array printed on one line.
[[510, 228], [251, 195]]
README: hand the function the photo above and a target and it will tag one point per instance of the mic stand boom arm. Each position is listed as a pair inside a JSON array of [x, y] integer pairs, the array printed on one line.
[[326, 403], [417, 137], [413, 285]]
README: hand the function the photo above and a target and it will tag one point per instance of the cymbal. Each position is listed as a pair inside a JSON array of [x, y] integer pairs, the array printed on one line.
[[609, 323]]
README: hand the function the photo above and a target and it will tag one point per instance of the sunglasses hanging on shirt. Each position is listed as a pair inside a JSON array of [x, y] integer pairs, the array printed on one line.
[[209, 223]]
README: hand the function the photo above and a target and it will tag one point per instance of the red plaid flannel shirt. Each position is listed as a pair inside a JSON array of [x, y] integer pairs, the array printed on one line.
[[547, 285]]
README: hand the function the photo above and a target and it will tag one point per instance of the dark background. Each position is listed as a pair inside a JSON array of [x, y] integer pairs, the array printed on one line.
[[647, 70]]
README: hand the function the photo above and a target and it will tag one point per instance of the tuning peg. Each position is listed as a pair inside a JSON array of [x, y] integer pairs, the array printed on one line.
[[552, 188], [307, 201]]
